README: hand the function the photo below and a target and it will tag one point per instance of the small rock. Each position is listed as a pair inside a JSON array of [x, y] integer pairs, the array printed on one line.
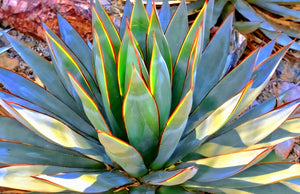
[[8, 63]]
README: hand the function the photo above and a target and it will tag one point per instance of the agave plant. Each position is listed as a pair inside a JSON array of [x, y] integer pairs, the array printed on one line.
[[154, 112]]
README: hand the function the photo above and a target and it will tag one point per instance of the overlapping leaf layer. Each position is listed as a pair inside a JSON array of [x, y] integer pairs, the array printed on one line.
[[152, 108]]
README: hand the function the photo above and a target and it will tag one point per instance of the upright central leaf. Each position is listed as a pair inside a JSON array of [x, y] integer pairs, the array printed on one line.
[[155, 28], [139, 24], [141, 117]]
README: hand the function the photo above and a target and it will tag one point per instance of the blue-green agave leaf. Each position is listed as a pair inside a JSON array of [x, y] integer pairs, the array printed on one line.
[[45, 71], [26, 136], [13, 175], [233, 81], [182, 63], [165, 15], [211, 66], [87, 182], [65, 61], [139, 24], [74, 41], [39, 96], [170, 178], [173, 131], [222, 166], [154, 28], [90, 107], [178, 24], [123, 154], [126, 16], [246, 27], [258, 175], [160, 84], [110, 28], [106, 74], [241, 137], [56, 132], [141, 119]]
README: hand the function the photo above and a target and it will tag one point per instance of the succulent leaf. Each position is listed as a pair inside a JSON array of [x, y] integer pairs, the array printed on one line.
[[13, 175], [181, 65], [31, 138], [107, 79], [129, 55], [139, 22], [173, 131], [179, 24], [141, 117], [79, 47], [37, 95], [107, 23], [169, 178], [220, 116], [160, 84], [211, 66], [123, 154], [126, 16], [45, 71], [241, 137], [87, 182], [222, 166], [160, 111], [165, 15], [259, 175], [65, 61], [233, 81], [90, 107], [56, 132], [155, 29]]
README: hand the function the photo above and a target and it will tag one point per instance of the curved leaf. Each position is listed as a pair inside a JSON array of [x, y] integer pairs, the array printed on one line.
[[246, 27], [74, 41], [173, 131], [65, 61], [129, 55], [10, 153], [126, 16], [160, 84], [90, 107], [178, 24], [87, 182], [169, 178], [261, 75], [222, 166], [288, 130], [11, 176], [10, 127], [220, 116], [211, 66], [106, 72], [182, 62], [108, 25], [45, 71], [241, 137], [141, 117], [165, 15], [139, 24], [154, 28], [261, 174], [233, 82], [56, 132], [39, 96], [123, 154]]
